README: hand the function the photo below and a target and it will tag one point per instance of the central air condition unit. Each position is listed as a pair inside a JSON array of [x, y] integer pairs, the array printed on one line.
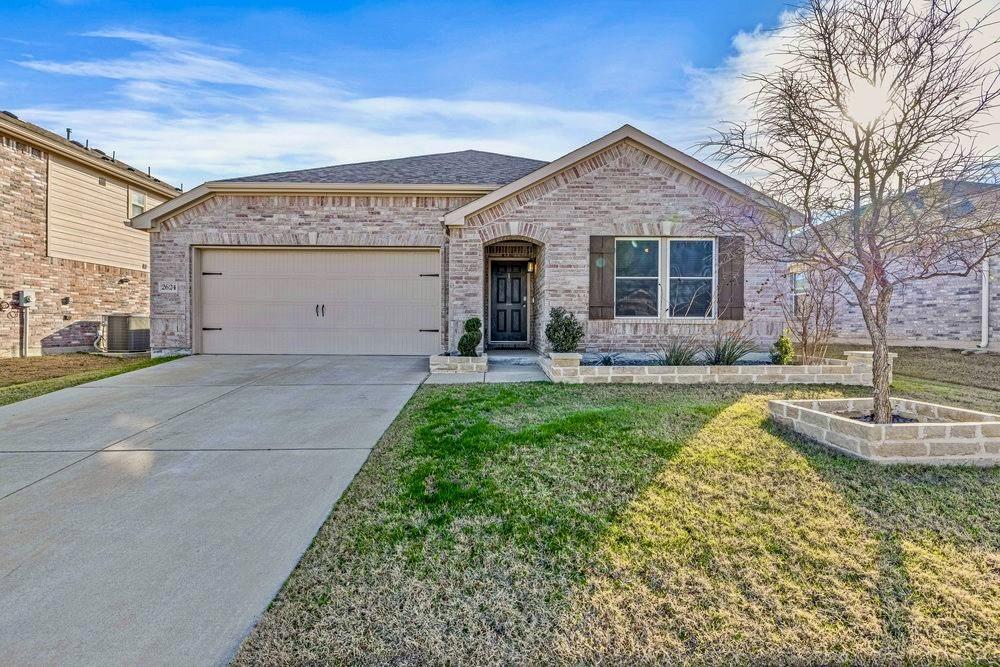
[[126, 333]]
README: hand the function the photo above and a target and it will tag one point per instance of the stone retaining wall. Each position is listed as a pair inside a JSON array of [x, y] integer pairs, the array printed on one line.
[[448, 364], [855, 370], [943, 436]]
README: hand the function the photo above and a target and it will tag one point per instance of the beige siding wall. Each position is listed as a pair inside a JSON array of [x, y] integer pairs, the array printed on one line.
[[86, 220]]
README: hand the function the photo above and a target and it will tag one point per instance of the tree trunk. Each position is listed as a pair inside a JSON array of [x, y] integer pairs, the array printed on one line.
[[881, 405], [881, 373]]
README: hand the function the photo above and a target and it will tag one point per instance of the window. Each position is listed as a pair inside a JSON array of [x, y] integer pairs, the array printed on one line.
[[691, 280], [800, 290], [137, 203], [637, 277]]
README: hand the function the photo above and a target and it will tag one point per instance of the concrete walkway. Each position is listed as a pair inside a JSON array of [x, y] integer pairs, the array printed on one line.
[[504, 366], [150, 518]]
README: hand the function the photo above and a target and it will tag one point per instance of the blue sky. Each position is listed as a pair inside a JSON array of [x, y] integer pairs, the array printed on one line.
[[212, 90]]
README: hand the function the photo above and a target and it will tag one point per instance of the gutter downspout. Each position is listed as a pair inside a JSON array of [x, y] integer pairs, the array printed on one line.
[[984, 338]]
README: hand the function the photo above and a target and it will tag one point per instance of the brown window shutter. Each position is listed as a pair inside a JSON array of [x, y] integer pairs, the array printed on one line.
[[602, 277], [731, 262]]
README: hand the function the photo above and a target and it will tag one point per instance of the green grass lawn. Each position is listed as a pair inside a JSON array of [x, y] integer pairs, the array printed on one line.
[[939, 364], [539, 523], [32, 366]]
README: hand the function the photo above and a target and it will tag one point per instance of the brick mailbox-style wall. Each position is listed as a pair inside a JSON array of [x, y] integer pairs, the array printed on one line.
[[70, 295]]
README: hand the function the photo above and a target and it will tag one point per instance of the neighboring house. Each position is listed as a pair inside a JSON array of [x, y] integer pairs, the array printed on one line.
[[947, 311], [63, 208], [392, 257]]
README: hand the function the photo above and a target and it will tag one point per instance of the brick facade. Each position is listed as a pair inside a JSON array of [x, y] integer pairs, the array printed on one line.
[[71, 295], [622, 191], [283, 220], [945, 310]]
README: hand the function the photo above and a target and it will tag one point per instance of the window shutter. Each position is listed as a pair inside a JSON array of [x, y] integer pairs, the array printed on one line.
[[602, 277], [731, 262]]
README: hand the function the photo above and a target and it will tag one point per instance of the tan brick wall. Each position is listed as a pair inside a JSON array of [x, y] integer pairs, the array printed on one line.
[[622, 191], [71, 295], [833, 372], [285, 220]]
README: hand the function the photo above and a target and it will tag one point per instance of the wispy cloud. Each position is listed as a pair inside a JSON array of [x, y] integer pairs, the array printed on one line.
[[195, 112]]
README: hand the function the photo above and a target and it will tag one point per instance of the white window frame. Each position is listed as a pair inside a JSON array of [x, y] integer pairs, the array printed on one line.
[[659, 278], [132, 194], [715, 279], [796, 291]]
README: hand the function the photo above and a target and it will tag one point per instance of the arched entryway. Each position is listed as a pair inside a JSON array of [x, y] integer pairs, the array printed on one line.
[[513, 293]]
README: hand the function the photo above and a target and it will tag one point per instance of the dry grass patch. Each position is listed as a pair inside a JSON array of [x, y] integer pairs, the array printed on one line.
[[981, 369], [32, 369], [21, 379], [584, 524]]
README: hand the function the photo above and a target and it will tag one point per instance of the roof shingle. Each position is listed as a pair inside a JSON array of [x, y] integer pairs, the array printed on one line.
[[459, 168]]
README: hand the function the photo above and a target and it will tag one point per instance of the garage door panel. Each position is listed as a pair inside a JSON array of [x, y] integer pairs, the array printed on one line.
[[376, 301]]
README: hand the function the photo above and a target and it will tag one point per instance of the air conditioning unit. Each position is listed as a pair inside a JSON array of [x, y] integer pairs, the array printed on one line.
[[126, 333]]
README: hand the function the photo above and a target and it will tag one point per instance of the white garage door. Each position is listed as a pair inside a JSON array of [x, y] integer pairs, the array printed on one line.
[[272, 301]]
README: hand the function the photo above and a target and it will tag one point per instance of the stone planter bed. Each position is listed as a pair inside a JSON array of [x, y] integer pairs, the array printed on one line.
[[940, 435], [445, 363], [856, 369]]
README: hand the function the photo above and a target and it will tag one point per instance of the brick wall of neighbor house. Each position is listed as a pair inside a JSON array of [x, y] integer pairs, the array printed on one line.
[[621, 191], [71, 295], [944, 310], [293, 220]]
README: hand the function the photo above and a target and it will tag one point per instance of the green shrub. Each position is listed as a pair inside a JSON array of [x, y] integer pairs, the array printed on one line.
[[782, 352], [728, 348], [679, 352], [608, 359], [564, 331], [469, 341]]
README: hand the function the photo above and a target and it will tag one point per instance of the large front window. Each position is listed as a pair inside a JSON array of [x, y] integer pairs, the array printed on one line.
[[691, 281], [637, 277]]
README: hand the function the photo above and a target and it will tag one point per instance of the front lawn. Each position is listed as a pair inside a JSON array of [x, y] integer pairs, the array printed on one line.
[[23, 378], [979, 369], [618, 524]]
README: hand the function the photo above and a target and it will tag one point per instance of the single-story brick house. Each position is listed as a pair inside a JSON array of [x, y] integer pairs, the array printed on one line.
[[391, 257]]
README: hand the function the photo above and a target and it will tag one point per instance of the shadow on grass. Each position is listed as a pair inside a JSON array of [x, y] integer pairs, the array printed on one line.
[[636, 525]]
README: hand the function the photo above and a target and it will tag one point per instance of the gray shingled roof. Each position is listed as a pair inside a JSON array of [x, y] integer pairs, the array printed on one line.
[[462, 167]]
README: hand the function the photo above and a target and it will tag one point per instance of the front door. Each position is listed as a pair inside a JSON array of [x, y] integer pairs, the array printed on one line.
[[509, 302]]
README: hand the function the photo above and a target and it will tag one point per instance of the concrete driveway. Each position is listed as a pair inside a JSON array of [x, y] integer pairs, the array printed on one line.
[[149, 518]]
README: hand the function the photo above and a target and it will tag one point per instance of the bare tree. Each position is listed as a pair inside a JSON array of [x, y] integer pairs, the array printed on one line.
[[811, 311], [865, 141]]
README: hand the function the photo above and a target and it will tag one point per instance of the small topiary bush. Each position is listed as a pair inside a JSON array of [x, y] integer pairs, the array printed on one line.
[[564, 331], [469, 341], [782, 352]]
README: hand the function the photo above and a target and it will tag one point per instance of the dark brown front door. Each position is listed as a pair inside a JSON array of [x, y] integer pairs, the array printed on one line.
[[509, 302]]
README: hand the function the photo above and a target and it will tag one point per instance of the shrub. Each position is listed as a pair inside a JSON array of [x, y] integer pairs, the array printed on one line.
[[782, 352], [679, 352], [564, 331], [730, 347], [608, 359], [469, 341]]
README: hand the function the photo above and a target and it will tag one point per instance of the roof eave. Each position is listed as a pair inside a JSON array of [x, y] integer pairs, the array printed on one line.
[[150, 218], [22, 133]]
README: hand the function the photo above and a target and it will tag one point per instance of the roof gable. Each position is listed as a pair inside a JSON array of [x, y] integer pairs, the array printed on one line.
[[536, 180]]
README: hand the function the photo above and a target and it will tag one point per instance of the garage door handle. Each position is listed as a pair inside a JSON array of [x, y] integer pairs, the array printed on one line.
[[430, 331], [317, 310], [323, 309], [211, 328]]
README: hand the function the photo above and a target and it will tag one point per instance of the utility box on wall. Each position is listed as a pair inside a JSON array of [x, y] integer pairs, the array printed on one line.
[[25, 298]]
